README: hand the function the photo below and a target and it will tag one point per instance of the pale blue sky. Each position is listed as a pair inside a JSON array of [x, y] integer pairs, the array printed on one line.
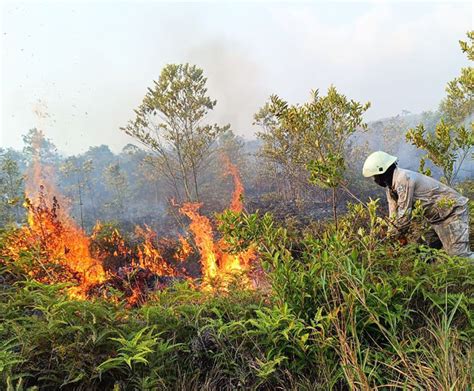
[[87, 64]]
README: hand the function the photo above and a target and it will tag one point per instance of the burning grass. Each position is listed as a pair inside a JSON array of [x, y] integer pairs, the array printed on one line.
[[62, 250], [105, 260]]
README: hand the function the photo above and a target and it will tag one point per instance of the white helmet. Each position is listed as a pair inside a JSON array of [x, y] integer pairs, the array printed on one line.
[[377, 163]]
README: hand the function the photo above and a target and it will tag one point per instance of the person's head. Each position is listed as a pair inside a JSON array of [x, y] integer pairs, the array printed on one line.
[[385, 179], [380, 165]]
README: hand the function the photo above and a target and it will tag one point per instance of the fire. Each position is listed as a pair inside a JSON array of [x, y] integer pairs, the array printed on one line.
[[215, 261], [50, 226], [201, 228], [185, 249], [62, 251], [113, 244], [236, 203], [148, 255]]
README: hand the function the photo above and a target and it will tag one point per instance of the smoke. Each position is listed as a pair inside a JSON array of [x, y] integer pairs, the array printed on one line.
[[235, 80], [389, 135]]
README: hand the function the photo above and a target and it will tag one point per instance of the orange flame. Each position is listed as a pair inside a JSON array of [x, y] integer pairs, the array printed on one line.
[[232, 263], [202, 230], [62, 243], [215, 261], [148, 255], [236, 203], [49, 223], [184, 251]]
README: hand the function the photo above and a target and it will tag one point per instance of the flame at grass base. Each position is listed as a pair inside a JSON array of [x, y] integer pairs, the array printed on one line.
[[58, 251], [60, 248], [50, 228], [201, 229], [216, 262], [217, 265]]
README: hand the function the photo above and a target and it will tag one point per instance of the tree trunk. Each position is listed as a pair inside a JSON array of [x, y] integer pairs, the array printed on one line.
[[334, 207], [92, 198], [184, 174], [195, 183], [80, 203]]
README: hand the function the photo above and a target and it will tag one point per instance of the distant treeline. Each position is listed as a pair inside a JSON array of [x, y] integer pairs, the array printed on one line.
[[129, 187]]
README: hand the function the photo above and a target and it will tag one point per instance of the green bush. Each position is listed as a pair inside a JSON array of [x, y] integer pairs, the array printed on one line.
[[390, 311]]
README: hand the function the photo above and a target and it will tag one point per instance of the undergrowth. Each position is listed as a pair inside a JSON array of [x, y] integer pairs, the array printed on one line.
[[345, 309]]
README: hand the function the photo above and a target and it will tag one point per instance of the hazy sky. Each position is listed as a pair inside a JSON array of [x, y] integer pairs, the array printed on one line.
[[87, 64]]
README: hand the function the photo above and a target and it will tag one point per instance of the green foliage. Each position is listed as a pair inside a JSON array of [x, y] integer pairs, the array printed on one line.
[[346, 309], [38, 147], [117, 182], [453, 139], [138, 349], [378, 305], [311, 136], [169, 123], [11, 188], [78, 172], [459, 103], [316, 131], [447, 147]]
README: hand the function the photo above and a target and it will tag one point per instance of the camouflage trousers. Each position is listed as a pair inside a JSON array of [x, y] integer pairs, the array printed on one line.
[[454, 233]]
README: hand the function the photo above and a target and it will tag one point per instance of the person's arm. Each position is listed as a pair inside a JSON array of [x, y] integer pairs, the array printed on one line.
[[392, 213], [392, 204], [405, 189]]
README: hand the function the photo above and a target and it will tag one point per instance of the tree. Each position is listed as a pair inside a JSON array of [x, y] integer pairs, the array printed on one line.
[[285, 147], [452, 141], [99, 159], [117, 182], [447, 148], [40, 148], [313, 135], [232, 146], [11, 188], [73, 169], [87, 169], [459, 103], [170, 123], [147, 193]]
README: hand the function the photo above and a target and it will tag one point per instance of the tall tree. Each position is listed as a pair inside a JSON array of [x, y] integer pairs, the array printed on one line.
[[447, 148], [73, 169], [147, 193], [459, 102], [170, 123], [97, 159], [37, 146]]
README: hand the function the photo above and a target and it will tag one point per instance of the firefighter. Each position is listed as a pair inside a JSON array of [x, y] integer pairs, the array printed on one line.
[[445, 209]]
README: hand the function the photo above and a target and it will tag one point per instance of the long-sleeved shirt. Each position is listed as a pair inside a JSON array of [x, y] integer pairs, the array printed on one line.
[[437, 199]]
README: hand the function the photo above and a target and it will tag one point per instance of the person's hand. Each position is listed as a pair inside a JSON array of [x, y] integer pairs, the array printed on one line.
[[392, 233]]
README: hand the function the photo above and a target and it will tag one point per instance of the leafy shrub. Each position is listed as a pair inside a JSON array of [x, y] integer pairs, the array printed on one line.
[[384, 304]]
